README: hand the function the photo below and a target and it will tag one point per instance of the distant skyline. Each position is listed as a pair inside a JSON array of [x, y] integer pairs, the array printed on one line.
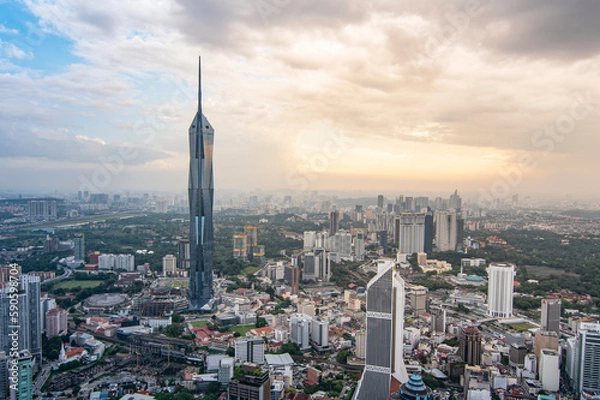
[[492, 98]]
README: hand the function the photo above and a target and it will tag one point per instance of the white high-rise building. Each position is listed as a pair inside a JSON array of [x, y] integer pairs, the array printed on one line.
[[549, 370], [300, 331], [320, 332], [384, 364], [359, 246], [310, 239], [501, 280], [341, 243], [410, 232], [169, 264], [446, 230], [125, 262], [322, 240]]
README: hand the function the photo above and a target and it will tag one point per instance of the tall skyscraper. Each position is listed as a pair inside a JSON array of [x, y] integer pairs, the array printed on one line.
[[470, 345], [585, 371], [501, 279], [410, 232], [169, 264], [359, 246], [429, 233], [446, 230], [201, 197], [79, 247], [292, 277], [29, 317], [384, 365], [320, 333], [300, 331], [183, 251], [550, 320], [334, 222], [380, 199]]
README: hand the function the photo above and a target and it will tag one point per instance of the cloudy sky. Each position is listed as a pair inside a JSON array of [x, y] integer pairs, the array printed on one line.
[[485, 96]]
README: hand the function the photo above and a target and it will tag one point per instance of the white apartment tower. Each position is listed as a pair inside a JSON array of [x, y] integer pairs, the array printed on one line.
[[501, 279]]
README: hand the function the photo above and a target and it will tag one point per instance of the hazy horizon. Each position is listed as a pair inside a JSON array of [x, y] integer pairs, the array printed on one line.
[[490, 98]]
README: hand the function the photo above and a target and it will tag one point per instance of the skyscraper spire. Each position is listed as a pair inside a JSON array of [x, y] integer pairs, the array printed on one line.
[[201, 197]]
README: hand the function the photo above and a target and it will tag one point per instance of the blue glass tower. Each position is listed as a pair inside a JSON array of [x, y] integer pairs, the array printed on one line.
[[201, 195]]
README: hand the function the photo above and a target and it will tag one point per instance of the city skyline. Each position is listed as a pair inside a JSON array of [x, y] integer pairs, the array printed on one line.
[[307, 96]]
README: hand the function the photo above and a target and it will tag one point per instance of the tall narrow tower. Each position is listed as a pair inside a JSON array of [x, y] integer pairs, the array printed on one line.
[[384, 364], [201, 195]]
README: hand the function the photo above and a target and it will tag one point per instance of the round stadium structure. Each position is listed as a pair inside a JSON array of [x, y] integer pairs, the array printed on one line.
[[106, 303]]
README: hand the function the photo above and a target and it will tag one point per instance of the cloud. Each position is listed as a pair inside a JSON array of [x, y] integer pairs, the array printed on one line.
[[10, 31], [444, 78]]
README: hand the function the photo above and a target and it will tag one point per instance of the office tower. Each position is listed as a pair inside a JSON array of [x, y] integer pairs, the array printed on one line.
[[584, 356], [183, 254], [470, 345], [429, 233], [300, 331], [455, 202], [410, 232], [460, 229], [383, 239], [359, 213], [334, 222], [384, 366], [317, 266], [446, 230], [341, 243], [251, 233], [320, 333], [42, 209], [322, 240], [56, 322], [409, 203], [421, 203], [380, 199], [29, 318], [124, 262], [414, 389], [240, 246], [225, 373], [360, 350], [291, 275], [250, 386], [310, 239], [250, 350], [544, 340], [550, 320], [359, 246], [3, 375], [79, 247], [169, 265], [25, 385], [201, 197], [438, 320], [417, 296], [310, 272], [501, 279], [549, 370]]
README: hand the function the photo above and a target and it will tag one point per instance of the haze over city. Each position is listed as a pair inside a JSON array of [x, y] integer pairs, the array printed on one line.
[[304, 95]]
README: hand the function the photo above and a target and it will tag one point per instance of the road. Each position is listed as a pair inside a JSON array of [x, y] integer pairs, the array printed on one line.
[[42, 377], [66, 274]]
